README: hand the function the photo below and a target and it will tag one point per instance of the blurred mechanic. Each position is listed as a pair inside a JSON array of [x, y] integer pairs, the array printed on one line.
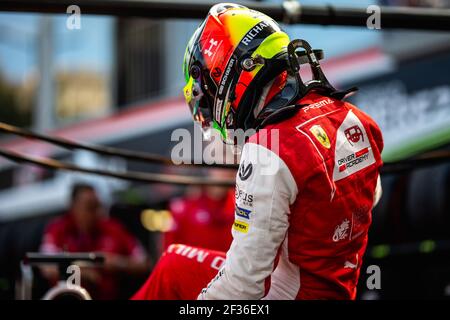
[[204, 216], [86, 229], [308, 179]]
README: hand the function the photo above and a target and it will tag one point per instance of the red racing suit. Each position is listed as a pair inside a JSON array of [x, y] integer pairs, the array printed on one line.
[[181, 273], [305, 190]]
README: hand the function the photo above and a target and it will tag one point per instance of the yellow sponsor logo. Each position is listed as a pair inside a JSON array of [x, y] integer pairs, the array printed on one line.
[[320, 135], [240, 226]]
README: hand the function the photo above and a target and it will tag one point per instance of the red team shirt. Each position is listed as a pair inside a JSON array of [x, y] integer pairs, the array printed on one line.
[[202, 221], [110, 236]]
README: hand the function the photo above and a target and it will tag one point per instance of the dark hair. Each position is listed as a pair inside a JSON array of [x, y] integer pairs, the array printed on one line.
[[77, 188]]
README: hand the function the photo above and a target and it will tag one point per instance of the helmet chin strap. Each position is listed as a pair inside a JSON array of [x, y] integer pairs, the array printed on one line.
[[260, 96], [264, 98], [284, 104]]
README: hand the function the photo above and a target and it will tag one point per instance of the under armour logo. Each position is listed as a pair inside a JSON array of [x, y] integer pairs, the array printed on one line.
[[245, 171], [212, 43]]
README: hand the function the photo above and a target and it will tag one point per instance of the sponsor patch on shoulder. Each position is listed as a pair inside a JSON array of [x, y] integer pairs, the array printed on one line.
[[241, 226], [353, 149], [243, 213]]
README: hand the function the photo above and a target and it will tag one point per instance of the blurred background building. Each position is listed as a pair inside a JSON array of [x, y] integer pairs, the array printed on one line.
[[118, 82]]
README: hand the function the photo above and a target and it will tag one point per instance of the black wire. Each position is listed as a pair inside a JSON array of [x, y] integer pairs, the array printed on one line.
[[402, 166], [130, 175], [109, 151], [432, 158]]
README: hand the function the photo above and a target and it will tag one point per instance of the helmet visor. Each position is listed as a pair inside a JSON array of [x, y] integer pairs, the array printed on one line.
[[198, 104]]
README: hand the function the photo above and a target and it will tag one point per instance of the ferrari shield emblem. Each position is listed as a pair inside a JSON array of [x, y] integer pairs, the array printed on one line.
[[320, 135]]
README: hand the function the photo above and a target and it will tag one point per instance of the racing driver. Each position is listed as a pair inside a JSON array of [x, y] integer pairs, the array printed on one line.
[[308, 176]]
